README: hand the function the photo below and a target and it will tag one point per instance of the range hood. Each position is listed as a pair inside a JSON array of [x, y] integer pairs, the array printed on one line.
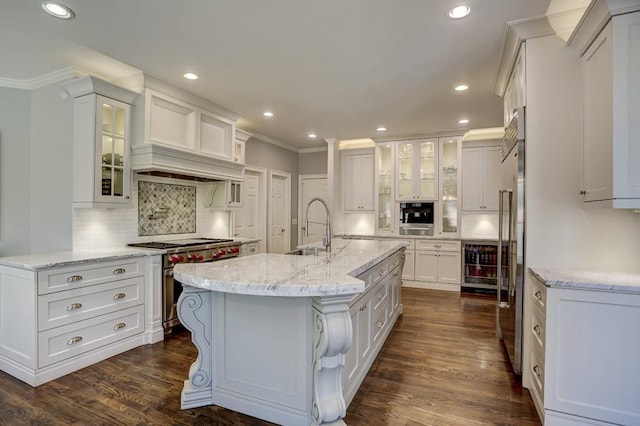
[[167, 161]]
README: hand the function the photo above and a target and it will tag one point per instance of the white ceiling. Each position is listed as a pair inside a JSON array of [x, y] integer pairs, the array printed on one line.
[[339, 68]]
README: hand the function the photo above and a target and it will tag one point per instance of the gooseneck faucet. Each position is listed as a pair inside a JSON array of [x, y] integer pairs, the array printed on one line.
[[326, 241]]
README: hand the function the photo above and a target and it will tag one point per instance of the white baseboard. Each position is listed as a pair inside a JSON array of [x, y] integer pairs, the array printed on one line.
[[431, 286]]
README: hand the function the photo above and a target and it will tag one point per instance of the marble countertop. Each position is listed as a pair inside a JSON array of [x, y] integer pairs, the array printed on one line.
[[268, 274], [588, 280], [396, 237], [36, 262]]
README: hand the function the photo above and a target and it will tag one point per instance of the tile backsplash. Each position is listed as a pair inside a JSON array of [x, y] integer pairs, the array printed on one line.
[[166, 209]]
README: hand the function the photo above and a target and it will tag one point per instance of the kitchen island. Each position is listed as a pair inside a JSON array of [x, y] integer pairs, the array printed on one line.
[[289, 338]]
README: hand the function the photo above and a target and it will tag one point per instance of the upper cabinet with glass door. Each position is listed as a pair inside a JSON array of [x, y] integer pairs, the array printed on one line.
[[385, 211], [102, 116], [449, 179], [416, 177]]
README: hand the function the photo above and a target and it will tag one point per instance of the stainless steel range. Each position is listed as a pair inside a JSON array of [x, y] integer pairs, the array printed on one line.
[[185, 250]]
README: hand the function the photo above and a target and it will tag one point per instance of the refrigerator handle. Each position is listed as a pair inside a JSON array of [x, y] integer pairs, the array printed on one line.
[[501, 193]]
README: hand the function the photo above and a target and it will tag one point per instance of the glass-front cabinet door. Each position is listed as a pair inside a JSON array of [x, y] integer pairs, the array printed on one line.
[[385, 210], [416, 174], [114, 182], [450, 153]]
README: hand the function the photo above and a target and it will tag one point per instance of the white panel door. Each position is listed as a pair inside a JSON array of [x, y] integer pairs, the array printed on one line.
[[311, 187], [279, 212], [247, 220], [426, 265], [493, 160]]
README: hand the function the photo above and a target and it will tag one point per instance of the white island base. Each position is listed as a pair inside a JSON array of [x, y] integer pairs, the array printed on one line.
[[292, 360]]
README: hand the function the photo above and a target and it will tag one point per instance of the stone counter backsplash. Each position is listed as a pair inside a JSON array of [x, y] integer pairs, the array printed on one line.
[[166, 208]]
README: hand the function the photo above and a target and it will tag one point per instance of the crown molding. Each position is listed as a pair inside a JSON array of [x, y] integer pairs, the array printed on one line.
[[313, 149], [595, 18], [40, 81]]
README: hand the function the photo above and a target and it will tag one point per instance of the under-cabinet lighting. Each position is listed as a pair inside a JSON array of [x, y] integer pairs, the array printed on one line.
[[58, 10], [267, 114], [190, 76], [461, 88], [459, 12]]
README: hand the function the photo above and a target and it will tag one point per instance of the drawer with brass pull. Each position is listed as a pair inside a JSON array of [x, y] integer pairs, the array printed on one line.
[[60, 343], [61, 308], [538, 328], [539, 295], [83, 275], [380, 294]]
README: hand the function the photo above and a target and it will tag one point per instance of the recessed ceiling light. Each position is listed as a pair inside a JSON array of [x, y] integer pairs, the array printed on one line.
[[58, 10], [267, 114], [461, 88], [463, 121], [190, 76], [459, 12], [312, 135], [381, 129]]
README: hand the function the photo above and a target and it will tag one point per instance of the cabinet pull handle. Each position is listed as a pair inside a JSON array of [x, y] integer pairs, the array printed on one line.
[[380, 324], [538, 295], [119, 325], [380, 296], [74, 306], [536, 328], [74, 340], [363, 308], [536, 369], [118, 296], [74, 278], [119, 271]]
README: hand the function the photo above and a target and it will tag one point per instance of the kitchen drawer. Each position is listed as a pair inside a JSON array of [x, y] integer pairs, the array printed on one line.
[[61, 308], [248, 249], [379, 321], [539, 295], [86, 274], [538, 328], [536, 369], [380, 295], [438, 245], [64, 342]]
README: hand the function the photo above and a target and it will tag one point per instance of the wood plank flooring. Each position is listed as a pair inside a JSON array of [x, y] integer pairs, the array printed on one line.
[[442, 365]]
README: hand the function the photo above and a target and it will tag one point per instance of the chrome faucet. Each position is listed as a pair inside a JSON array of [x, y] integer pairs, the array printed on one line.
[[326, 240]]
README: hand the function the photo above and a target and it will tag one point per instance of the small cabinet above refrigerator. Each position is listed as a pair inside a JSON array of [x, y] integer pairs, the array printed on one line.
[[480, 266]]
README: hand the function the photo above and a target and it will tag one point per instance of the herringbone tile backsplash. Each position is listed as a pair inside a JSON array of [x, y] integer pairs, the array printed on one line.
[[166, 208]]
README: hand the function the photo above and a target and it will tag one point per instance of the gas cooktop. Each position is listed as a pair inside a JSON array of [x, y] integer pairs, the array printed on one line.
[[187, 242]]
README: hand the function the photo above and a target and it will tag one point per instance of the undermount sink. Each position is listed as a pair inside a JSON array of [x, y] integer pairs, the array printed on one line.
[[301, 252]]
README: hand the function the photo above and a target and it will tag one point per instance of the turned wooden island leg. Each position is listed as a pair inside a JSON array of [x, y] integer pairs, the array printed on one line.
[[194, 311], [333, 334]]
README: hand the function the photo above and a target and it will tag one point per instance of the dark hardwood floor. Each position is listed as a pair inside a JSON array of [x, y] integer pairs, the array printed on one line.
[[442, 365]]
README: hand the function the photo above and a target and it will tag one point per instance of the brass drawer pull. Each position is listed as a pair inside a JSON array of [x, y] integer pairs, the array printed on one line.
[[74, 340], [119, 325], [380, 324], [380, 296], [363, 308], [538, 295], [74, 278], [119, 271], [118, 296], [74, 306], [536, 328]]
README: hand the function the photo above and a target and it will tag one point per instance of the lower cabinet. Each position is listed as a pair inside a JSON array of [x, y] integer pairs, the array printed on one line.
[[438, 262], [373, 314], [583, 356], [250, 248], [70, 317]]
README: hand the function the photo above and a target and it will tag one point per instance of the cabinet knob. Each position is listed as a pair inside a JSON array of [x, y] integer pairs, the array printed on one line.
[[583, 192], [536, 328], [127, 197], [538, 295]]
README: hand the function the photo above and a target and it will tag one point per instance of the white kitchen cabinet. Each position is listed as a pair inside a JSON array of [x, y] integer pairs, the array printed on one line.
[[449, 189], [247, 249], [373, 314], [358, 181], [580, 361], [438, 261], [611, 176], [239, 146], [416, 170], [515, 95], [102, 117], [480, 178], [409, 270], [70, 316], [181, 136], [226, 195], [385, 191]]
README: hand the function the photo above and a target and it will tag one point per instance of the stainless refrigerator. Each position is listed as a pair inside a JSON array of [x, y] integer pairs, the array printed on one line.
[[511, 235]]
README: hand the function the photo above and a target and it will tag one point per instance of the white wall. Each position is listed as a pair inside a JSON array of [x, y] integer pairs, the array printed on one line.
[[561, 232], [15, 135]]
